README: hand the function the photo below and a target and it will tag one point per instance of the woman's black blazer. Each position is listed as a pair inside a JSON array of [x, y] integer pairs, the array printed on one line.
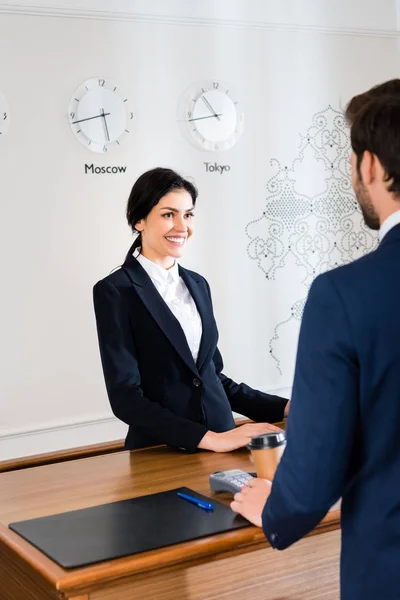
[[152, 381]]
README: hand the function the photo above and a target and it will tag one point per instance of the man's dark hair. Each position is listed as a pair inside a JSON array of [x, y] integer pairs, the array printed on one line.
[[388, 88], [375, 128]]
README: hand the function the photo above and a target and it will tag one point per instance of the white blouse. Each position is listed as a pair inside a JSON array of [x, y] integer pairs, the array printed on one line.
[[175, 294]]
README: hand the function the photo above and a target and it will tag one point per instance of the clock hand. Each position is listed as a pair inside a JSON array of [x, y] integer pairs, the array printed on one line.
[[89, 118], [208, 117], [210, 107], [105, 123]]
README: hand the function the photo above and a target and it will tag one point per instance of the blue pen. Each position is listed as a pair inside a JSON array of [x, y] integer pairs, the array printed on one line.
[[196, 501]]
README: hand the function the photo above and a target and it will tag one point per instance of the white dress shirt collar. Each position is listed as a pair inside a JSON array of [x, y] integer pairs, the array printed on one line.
[[388, 224], [157, 273]]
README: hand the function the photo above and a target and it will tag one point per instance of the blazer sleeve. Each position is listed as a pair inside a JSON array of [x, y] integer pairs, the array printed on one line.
[[254, 404], [321, 427], [122, 376]]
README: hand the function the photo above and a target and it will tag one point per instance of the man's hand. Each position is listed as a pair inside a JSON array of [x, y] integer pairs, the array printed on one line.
[[251, 500]]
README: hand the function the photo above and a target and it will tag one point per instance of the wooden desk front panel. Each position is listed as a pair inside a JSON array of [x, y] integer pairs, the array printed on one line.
[[306, 571]]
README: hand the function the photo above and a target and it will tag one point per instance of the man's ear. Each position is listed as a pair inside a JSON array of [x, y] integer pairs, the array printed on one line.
[[379, 172], [367, 168]]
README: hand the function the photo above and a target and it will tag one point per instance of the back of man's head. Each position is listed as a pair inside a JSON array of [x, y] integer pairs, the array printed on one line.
[[388, 88], [375, 128]]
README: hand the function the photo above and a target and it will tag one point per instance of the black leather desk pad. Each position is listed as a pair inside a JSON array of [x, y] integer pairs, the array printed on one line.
[[90, 535]]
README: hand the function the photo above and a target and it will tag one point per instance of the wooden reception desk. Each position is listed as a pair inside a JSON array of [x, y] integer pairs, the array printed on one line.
[[232, 566]]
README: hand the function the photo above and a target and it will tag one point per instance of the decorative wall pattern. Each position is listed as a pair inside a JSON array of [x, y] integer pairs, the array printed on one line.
[[155, 54], [311, 222]]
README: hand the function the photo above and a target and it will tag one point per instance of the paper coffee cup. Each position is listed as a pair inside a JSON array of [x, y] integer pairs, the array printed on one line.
[[266, 451]]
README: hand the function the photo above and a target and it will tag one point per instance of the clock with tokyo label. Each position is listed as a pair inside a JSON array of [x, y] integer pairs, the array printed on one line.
[[100, 114], [210, 116], [4, 115]]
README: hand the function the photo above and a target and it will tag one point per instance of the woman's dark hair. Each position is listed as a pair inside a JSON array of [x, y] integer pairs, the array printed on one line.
[[375, 128], [147, 191]]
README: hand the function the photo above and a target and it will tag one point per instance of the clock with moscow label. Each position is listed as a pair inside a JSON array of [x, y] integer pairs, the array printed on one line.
[[210, 117], [4, 115], [100, 115]]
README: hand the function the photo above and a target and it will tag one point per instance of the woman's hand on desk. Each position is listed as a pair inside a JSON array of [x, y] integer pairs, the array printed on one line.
[[286, 412], [235, 438]]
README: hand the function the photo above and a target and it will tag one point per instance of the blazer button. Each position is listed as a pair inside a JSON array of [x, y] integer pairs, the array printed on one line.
[[196, 382]]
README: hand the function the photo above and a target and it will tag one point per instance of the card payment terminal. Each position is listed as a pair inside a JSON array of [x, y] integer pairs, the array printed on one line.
[[229, 481]]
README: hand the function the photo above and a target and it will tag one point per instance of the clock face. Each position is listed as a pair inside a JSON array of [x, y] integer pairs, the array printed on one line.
[[4, 115], [211, 116], [99, 114]]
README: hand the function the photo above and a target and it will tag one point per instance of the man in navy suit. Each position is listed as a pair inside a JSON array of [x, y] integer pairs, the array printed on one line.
[[343, 428]]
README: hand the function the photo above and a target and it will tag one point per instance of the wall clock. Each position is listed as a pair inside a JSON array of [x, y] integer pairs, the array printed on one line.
[[99, 114], [210, 116], [4, 115]]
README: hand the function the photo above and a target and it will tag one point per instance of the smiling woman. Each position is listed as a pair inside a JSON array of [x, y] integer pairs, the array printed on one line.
[[158, 336], [167, 228]]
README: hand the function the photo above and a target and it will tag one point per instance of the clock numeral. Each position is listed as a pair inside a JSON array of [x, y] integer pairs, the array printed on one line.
[[105, 148], [131, 115], [189, 114], [215, 146], [102, 82], [72, 115], [4, 116], [215, 85]]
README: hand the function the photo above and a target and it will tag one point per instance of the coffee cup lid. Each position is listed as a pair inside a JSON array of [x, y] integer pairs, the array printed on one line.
[[267, 440]]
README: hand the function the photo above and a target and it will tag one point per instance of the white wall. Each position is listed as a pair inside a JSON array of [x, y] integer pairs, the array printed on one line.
[[62, 230]]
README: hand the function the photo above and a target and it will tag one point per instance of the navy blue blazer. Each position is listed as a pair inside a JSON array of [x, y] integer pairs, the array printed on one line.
[[152, 381], [343, 427]]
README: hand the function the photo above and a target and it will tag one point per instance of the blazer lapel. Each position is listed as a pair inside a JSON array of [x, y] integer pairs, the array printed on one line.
[[209, 336], [159, 310]]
